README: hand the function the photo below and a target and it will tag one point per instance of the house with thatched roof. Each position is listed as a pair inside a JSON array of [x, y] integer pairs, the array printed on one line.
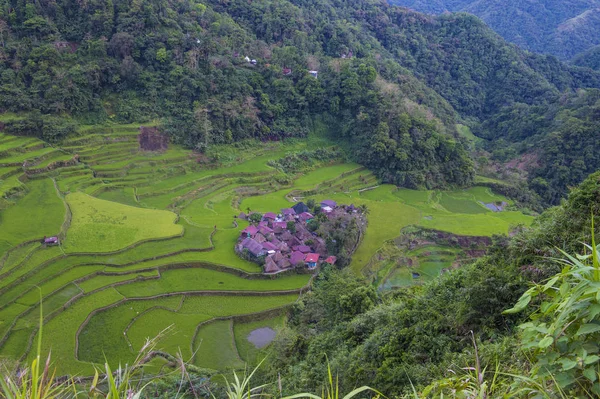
[[296, 258], [253, 247], [270, 265], [269, 246], [249, 231], [284, 263], [305, 216], [259, 238]]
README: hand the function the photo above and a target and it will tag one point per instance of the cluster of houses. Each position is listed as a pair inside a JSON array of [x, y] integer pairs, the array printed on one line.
[[284, 240]]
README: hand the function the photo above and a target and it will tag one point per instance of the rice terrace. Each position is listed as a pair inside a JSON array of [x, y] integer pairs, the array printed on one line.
[[124, 243]]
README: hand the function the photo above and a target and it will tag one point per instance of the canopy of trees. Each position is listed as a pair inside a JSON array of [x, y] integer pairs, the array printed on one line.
[[391, 83], [563, 28]]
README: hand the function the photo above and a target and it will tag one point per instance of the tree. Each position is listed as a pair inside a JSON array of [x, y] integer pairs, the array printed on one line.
[[291, 226], [121, 44], [255, 217], [161, 55]]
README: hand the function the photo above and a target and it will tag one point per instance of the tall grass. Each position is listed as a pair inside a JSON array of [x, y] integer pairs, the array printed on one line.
[[40, 382], [242, 389], [33, 382]]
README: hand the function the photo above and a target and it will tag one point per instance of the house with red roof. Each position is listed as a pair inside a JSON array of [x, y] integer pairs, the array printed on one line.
[[331, 260], [311, 260]]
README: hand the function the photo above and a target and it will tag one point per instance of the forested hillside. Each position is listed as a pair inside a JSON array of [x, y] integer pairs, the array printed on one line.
[[389, 83], [413, 337], [590, 58], [563, 28]]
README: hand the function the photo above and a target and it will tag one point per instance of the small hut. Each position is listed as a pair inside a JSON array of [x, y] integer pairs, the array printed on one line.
[[50, 241]]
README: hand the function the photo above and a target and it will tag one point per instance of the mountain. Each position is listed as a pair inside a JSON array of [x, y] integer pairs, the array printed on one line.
[[589, 59], [390, 83], [563, 28]]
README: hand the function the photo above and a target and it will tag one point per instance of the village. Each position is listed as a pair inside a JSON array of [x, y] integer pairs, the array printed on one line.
[[297, 237]]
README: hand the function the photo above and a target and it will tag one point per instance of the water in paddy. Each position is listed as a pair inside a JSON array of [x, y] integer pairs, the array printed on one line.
[[495, 207], [261, 337]]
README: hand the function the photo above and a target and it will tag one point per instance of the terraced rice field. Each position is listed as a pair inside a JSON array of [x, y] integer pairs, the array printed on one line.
[[147, 243]]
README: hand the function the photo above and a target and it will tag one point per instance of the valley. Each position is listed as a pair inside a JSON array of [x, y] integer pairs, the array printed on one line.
[[146, 242]]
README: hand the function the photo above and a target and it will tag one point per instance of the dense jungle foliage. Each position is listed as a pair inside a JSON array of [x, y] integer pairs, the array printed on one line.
[[563, 28], [391, 83], [560, 141], [415, 336], [590, 58]]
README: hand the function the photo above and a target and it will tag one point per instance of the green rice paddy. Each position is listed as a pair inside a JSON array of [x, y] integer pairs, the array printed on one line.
[[146, 243], [105, 226]]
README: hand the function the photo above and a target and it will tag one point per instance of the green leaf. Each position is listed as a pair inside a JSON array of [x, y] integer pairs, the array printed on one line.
[[594, 310], [564, 378], [546, 342], [590, 374], [588, 329], [564, 288], [520, 305], [551, 283], [591, 359], [568, 364]]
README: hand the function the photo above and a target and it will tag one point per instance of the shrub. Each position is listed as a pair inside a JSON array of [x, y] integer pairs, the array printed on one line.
[[564, 330]]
